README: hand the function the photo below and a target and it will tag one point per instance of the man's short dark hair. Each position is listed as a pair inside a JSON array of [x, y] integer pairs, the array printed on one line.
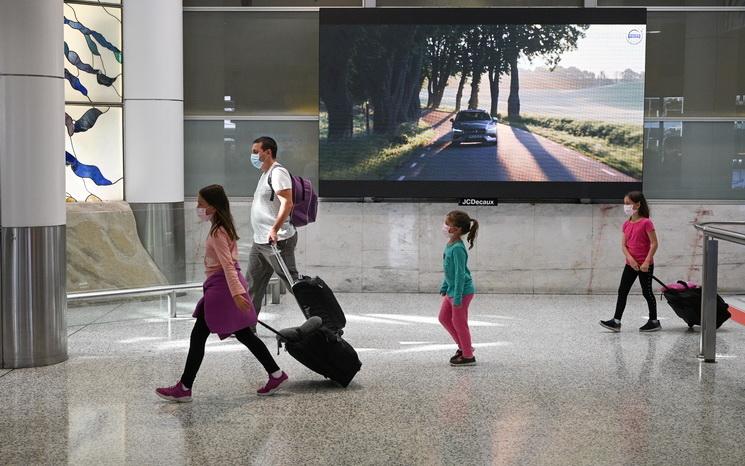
[[267, 143]]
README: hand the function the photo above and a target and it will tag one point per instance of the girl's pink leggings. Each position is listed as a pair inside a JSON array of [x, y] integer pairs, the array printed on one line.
[[455, 320]]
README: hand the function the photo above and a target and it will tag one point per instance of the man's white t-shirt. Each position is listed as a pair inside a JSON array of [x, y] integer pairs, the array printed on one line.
[[264, 211]]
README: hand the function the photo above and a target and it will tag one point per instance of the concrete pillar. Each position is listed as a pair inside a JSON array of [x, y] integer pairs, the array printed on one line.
[[33, 329]]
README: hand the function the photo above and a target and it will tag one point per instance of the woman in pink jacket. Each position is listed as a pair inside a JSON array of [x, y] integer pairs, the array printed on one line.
[[225, 308]]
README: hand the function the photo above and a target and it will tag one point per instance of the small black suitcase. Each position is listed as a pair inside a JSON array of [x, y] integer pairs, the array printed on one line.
[[315, 298], [687, 304], [321, 350]]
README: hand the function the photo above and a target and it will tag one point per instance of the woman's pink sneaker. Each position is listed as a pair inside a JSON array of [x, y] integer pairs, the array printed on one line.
[[272, 385], [175, 393]]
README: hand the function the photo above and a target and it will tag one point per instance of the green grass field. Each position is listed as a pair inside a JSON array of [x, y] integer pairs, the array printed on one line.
[[372, 157], [616, 145]]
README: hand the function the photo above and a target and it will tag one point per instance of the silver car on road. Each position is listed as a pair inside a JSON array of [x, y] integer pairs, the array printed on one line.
[[474, 126]]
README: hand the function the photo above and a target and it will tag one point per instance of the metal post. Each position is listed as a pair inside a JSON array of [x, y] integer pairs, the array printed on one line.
[[709, 300], [276, 290], [172, 303]]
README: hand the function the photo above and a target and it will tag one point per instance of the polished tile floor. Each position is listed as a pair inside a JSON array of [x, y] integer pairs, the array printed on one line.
[[551, 387]]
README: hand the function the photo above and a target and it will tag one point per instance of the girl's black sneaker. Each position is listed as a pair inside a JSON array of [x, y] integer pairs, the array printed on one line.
[[651, 326], [461, 361], [458, 354], [611, 325]]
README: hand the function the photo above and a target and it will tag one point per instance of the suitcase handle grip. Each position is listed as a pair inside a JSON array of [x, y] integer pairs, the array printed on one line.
[[282, 265]]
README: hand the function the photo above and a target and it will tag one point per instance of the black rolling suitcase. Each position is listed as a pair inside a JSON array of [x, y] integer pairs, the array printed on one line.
[[315, 298], [320, 349], [323, 350], [686, 302]]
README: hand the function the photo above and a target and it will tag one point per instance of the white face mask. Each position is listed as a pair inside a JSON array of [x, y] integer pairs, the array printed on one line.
[[446, 230], [202, 214], [628, 209]]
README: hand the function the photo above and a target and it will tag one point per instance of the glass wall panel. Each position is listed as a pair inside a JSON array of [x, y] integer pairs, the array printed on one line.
[[479, 3], [218, 152], [272, 3], [695, 64], [694, 160], [671, 3], [250, 63]]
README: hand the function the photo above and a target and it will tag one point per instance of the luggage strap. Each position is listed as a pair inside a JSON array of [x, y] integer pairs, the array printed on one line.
[[280, 338]]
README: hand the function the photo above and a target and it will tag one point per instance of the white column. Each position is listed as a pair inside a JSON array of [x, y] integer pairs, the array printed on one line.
[[154, 128], [32, 184], [32, 114], [153, 101]]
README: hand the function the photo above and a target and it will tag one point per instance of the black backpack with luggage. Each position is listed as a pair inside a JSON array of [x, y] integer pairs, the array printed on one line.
[[322, 350]]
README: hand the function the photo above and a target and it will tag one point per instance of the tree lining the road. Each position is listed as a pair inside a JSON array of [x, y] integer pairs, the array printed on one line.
[[387, 65]]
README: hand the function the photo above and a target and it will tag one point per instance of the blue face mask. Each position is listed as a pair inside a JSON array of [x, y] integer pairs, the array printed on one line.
[[256, 161]]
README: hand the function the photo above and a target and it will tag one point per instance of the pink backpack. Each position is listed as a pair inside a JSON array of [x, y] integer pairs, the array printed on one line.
[[304, 199]]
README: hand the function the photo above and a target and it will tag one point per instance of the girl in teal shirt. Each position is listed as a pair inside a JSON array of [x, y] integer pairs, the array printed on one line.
[[457, 288]]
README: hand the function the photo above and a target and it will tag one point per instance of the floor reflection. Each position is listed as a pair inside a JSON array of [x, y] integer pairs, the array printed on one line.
[[550, 387]]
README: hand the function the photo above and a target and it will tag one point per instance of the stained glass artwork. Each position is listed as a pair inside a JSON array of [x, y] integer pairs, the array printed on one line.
[[93, 54], [93, 97], [91, 172], [93, 153], [75, 83], [96, 35], [87, 121]]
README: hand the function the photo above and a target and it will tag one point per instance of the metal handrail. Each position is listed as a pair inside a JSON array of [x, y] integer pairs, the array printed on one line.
[[170, 289], [709, 278], [709, 230], [132, 291], [274, 284]]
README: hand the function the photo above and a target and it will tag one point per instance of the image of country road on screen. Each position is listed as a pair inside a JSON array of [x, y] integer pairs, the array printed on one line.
[[496, 102]]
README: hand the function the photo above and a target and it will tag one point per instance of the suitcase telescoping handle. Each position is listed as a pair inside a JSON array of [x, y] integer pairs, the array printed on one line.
[[685, 284], [279, 335], [660, 282], [282, 265]]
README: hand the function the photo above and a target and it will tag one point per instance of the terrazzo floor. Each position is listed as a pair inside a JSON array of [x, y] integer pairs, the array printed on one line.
[[551, 388]]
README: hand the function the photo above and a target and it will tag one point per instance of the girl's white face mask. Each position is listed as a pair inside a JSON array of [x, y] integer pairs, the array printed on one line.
[[628, 209], [446, 230], [202, 214]]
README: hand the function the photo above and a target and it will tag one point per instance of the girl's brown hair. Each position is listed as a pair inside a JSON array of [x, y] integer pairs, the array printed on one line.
[[215, 196], [637, 196], [467, 225]]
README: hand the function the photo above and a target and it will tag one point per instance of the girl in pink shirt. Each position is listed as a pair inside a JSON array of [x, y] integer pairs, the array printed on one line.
[[638, 243], [226, 307]]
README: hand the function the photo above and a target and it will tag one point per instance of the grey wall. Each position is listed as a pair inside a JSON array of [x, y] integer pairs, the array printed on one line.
[[522, 248]]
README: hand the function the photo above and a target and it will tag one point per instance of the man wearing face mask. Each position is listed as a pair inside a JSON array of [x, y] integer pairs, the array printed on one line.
[[270, 215]]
